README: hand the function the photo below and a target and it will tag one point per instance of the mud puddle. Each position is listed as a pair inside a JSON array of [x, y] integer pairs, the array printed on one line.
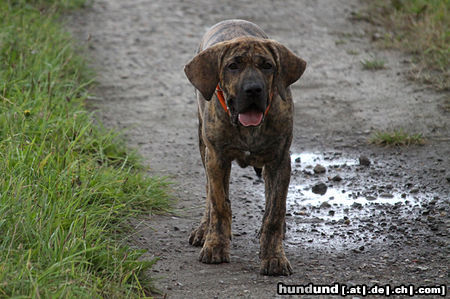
[[336, 201], [329, 178]]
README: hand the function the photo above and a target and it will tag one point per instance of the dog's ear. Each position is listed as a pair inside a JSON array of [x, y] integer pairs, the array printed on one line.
[[290, 67], [203, 70]]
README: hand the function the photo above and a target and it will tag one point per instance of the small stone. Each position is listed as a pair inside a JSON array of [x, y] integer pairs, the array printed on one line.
[[386, 195], [298, 160], [336, 178], [370, 197], [319, 169], [434, 227], [325, 205], [319, 188], [364, 161], [357, 205], [376, 36], [331, 212], [301, 213]]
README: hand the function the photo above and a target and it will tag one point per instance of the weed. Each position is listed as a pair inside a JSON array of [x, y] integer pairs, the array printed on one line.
[[352, 52], [396, 137], [373, 64]]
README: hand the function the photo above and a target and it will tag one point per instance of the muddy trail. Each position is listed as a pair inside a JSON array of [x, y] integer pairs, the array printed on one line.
[[381, 219]]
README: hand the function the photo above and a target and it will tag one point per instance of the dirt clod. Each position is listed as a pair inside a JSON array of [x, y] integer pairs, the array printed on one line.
[[364, 160], [319, 188], [319, 169]]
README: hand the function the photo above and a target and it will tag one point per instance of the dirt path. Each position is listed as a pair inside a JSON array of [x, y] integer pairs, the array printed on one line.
[[386, 223]]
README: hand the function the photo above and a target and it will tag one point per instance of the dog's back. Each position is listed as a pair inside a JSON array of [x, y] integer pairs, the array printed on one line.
[[229, 29]]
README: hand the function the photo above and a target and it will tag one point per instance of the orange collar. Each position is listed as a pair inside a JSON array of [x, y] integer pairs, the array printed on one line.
[[220, 96]]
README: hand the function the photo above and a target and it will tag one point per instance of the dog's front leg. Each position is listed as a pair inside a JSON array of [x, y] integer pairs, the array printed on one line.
[[276, 176], [216, 248]]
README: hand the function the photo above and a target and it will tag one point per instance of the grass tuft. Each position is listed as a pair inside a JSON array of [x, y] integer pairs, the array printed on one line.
[[396, 138], [352, 52], [68, 186], [373, 64]]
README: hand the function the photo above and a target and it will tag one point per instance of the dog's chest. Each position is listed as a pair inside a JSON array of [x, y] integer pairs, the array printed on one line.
[[251, 149]]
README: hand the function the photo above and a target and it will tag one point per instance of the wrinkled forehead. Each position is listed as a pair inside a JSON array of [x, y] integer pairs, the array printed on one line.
[[248, 49]]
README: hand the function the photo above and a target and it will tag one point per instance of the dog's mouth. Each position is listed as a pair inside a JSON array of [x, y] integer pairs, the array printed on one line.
[[252, 116]]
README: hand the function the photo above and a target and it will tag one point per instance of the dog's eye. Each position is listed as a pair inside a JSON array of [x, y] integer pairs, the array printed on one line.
[[266, 66], [233, 66]]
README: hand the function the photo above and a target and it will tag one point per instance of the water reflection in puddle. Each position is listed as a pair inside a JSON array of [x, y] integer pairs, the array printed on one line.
[[304, 178], [311, 159], [336, 196]]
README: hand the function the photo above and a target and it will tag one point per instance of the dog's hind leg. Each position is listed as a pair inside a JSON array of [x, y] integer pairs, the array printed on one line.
[[198, 235], [258, 172]]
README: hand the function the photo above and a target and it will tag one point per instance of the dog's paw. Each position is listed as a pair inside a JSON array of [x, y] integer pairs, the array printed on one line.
[[276, 266], [214, 254], [198, 235]]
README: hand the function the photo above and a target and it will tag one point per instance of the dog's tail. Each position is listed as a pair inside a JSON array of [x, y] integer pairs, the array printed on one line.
[[258, 171]]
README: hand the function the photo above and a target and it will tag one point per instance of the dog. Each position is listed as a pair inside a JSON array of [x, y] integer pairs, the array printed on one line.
[[245, 113]]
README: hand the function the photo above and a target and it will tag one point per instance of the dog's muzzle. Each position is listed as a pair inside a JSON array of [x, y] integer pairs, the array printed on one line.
[[254, 98]]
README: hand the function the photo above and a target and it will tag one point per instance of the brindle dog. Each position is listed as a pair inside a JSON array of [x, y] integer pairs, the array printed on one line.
[[252, 126]]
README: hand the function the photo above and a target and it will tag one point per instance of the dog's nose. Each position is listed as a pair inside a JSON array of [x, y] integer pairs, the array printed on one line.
[[253, 89]]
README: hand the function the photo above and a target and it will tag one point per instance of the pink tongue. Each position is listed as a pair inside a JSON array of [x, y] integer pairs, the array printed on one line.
[[250, 118]]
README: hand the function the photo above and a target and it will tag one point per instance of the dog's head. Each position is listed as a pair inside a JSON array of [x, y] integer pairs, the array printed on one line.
[[249, 71]]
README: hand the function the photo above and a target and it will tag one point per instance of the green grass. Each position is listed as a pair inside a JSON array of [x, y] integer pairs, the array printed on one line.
[[396, 137], [352, 52], [53, 4], [421, 28], [67, 186], [373, 64]]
